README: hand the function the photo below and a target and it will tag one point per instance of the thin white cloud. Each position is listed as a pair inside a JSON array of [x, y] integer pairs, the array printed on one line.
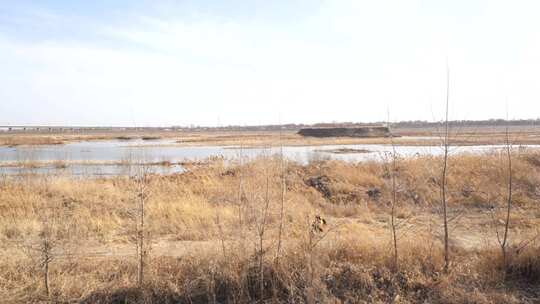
[[348, 61]]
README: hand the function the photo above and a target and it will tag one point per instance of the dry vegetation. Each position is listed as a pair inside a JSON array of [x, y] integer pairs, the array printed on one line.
[[409, 136], [215, 234], [17, 140]]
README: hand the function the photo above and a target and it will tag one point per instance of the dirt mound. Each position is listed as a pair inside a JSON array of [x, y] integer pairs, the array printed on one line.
[[346, 132], [334, 191], [321, 184]]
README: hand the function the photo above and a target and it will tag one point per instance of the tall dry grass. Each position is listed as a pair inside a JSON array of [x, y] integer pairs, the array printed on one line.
[[200, 253]]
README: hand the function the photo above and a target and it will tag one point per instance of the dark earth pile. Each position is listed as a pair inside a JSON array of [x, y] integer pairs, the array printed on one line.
[[346, 132]]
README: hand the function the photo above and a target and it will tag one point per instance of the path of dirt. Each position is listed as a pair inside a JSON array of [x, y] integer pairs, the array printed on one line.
[[468, 230]]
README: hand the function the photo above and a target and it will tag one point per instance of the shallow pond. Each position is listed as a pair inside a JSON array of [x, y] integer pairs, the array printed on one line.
[[110, 157]]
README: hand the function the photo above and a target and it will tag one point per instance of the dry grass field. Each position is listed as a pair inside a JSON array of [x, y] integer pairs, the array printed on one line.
[[273, 231], [484, 135]]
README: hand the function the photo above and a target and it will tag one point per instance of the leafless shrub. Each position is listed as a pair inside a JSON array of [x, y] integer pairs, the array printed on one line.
[[261, 229], [48, 242], [139, 234]]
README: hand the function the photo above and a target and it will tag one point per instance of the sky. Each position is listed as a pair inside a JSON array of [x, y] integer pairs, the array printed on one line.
[[159, 63]]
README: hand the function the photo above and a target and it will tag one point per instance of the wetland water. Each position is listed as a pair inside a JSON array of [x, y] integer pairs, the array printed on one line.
[[110, 157]]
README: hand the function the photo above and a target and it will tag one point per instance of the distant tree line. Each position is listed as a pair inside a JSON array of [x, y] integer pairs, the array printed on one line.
[[467, 123], [400, 124], [195, 128]]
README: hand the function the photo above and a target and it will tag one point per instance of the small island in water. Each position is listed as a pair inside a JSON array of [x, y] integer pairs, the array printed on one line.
[[345, 151]]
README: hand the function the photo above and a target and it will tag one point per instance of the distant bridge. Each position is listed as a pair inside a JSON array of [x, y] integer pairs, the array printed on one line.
[[62, 129], [14, 128]]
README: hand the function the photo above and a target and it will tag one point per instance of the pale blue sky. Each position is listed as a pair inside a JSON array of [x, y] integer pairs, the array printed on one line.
[[258, 62]]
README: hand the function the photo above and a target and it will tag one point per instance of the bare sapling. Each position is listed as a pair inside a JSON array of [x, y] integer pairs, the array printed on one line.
[[242, 203], [261, 229], [504, 242], [444, 174], [393, 224], [240, 192], [141, 182], [45, 248], [221, 236], [283, 186]]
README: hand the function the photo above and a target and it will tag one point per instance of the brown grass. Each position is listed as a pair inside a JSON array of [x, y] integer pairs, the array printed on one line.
[[203, 251], [17, 140], [414, 136]]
